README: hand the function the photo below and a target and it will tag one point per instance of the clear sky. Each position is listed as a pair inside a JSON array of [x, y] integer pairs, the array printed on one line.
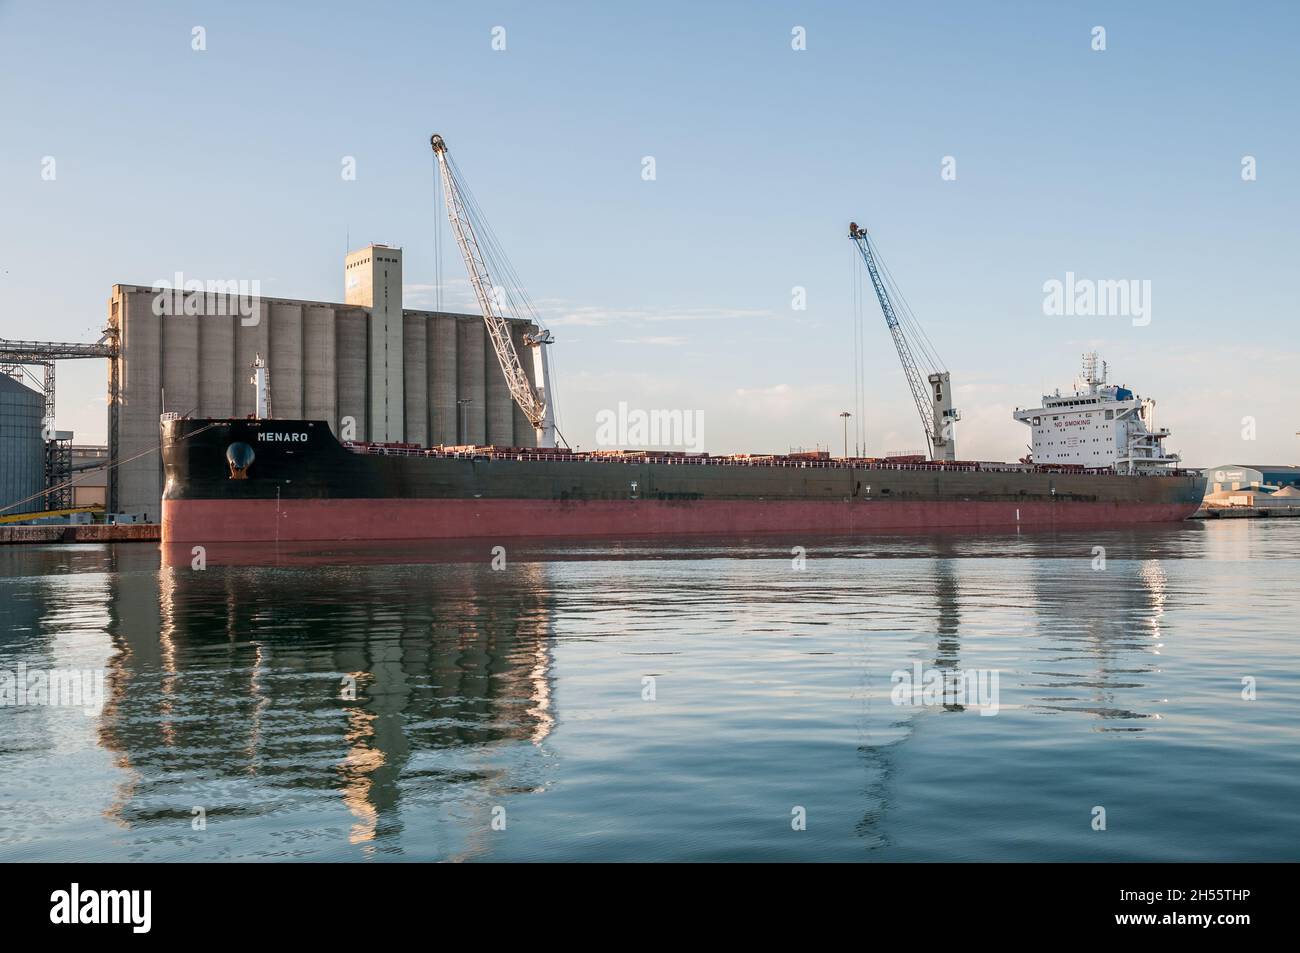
[[676, 293]]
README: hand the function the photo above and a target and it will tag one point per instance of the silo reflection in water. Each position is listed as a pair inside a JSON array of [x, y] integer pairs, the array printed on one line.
[[250, 669]]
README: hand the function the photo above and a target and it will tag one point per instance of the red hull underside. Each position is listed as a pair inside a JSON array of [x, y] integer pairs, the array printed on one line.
[[221, 521]]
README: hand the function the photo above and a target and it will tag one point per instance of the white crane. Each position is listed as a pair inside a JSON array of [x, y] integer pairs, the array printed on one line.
[[536, 403]]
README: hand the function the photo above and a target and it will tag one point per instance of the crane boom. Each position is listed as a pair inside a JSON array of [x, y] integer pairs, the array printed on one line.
[[934, 404], [535, 403]]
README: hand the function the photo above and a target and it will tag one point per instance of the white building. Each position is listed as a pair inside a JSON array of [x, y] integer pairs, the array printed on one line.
[[1099, 426]]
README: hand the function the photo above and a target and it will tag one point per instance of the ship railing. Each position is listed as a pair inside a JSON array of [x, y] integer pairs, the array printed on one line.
[[756, 461]]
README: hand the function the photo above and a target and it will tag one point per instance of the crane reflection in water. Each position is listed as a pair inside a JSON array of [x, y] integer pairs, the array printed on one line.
[[1096, 635]]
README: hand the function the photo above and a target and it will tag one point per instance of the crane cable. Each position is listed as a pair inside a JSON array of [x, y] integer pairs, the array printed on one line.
[[498, 263], [437, 241], [495, 259], [907, 315], [855, 266], [514, 296]]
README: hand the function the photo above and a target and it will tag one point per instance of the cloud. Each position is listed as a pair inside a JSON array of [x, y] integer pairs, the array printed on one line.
[[776, 391], [591, 316], [655, 341], [587, 318], [709, 314], [784, 402], [456, 295]]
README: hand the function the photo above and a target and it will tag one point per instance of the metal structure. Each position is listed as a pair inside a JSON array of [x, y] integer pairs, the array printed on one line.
[[58, 450], [463, 213], [58, 470], [933, 403], [261, 380]]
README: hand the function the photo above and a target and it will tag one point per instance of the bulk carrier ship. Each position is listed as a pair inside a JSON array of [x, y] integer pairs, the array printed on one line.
[[291, 480], [1094, 460]]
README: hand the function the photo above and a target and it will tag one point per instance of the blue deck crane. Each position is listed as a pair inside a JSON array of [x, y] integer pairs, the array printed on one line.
[[933, 403]]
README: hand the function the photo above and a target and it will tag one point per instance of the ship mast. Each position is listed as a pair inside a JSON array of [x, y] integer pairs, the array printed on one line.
[[261, 380]]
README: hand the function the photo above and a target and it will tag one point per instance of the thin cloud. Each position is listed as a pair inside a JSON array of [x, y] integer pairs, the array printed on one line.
[[601, 317], [655, 341]]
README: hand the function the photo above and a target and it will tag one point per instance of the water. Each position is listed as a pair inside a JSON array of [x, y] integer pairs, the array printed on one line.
[[520, 697]]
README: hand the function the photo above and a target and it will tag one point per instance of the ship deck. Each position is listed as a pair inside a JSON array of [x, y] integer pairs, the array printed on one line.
[[678, 458]]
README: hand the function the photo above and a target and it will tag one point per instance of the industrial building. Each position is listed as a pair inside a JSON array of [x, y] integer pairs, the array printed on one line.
[[1259, 477], [373, 370], [1252, 490], [22, 447], [89, 475]]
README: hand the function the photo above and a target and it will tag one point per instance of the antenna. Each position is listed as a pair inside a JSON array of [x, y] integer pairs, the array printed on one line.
[[1090, 367]]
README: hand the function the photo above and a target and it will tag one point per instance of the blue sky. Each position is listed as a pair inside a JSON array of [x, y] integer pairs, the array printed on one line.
[[676, 293]]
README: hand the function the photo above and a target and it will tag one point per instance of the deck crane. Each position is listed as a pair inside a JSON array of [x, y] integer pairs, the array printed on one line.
[[466, 223], [934, 403]]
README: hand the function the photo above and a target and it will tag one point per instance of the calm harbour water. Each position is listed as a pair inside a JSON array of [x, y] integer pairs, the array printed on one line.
[[520, 695]]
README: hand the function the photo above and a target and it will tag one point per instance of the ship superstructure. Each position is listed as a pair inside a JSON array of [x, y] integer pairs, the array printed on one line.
[[1101, 426]]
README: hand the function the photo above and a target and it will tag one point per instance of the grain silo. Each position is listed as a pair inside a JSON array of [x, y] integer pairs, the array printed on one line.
[[371, 369], [22, 448]]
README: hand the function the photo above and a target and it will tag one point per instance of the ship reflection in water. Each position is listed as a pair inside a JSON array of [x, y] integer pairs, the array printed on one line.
[[646, 701], [391, 679]]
